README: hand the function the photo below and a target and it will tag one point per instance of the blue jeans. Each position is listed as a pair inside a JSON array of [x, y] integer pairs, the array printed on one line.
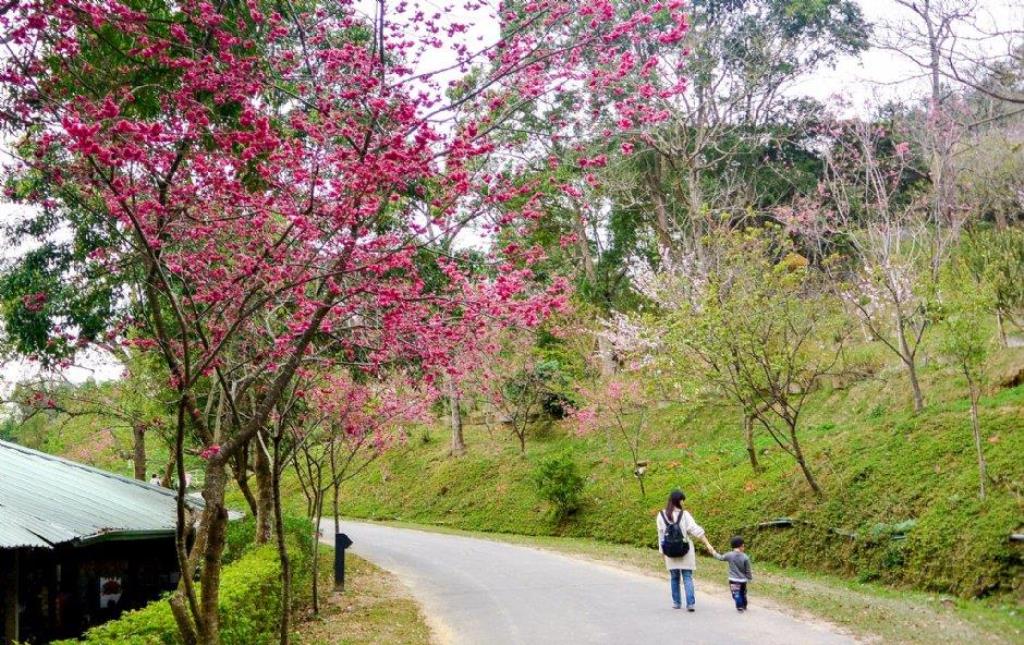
[[687, 583], [739, 593]]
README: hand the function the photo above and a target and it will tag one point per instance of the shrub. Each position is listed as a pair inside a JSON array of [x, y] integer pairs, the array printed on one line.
[[238, 539], [240, 534], [558, 481], [250, 603]]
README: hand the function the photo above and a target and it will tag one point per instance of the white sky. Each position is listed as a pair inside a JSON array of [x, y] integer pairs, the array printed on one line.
[[879, 74], [875, 76]]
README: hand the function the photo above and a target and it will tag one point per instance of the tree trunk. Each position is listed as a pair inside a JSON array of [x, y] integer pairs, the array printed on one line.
[[976, 427], [241, 472], [334, 508], [316, 561], [606, 356], [1002, 223], [1001, 325], [910, 361], [172, 463], [264, 490], [186, 618], [335, 489], [139, 450], [250, 499], [605, 353], [748, 432], [661, 223], [915, 385], [282, 550], [181, 619], [798, 453], [215, 520], [455, 411]]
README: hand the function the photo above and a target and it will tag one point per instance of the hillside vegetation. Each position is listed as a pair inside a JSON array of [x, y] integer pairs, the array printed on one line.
[[900, 502]]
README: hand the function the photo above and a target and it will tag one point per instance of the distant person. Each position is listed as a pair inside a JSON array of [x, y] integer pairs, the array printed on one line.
[[155, 480], [675, 528], [739, 572]]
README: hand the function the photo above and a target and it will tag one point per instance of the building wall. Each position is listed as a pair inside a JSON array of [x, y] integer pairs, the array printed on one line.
[[64, 591]]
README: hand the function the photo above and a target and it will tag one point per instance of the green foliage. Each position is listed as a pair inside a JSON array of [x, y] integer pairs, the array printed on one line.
[[250, 601], [241, 533], [49, 288], [887, 467], [558, 480], [8, 427], [761, 328], [239, 539], [996, 258], [966, 305]]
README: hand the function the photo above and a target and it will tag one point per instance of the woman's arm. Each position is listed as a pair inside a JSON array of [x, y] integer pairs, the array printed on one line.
[[707, 544], [697, 531]]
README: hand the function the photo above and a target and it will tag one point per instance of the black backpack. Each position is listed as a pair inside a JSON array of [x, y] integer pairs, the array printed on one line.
[[674, 544]]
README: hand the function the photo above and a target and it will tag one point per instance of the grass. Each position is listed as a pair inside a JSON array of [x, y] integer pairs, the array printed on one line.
[[903, 485], [871, 612], [374, 608]]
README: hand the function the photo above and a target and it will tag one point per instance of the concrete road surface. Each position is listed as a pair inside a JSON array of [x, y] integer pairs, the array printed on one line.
[[477, 591]]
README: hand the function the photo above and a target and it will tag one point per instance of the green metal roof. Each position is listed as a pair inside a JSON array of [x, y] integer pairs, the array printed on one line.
[[46, 500]]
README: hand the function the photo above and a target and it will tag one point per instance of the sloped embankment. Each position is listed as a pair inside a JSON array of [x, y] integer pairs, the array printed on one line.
[[900, 505]]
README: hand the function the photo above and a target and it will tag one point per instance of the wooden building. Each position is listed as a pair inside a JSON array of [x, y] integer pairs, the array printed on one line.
[[78, 545]]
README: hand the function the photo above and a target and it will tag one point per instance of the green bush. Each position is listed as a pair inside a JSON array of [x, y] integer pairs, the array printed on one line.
[[250, 601], [240, 535], [301, 547], [238, 539], [558, 481]]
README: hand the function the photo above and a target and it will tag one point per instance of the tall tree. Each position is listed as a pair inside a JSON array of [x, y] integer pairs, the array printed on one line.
[[736, 142], [967, 306], [269, 173], [880, 241], [764, 330]]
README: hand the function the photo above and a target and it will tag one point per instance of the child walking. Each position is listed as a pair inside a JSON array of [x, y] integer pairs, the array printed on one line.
[[739, 571]]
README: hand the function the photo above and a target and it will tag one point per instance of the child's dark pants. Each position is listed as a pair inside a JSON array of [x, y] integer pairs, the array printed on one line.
[[739, 593]]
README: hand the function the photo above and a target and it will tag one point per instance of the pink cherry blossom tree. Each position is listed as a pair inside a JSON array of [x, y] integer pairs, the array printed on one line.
[[889, 276], [345, 427], [274, 178], [619, 406]]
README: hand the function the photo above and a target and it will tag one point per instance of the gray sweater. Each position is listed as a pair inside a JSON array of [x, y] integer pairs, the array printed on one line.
[[739, 566]]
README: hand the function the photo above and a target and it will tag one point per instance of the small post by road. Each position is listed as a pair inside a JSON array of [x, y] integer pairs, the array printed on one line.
[[341, 542]]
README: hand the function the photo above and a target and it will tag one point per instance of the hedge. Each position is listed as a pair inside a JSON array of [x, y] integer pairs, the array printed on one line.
[[250, 601]]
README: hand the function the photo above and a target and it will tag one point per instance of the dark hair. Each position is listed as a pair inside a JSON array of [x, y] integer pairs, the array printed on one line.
[[675, 501], [736, 541]]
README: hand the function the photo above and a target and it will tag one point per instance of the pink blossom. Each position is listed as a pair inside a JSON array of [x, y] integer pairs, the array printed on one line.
[[210, 452]]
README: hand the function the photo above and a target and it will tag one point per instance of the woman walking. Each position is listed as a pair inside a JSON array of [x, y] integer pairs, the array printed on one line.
[[675, 528]]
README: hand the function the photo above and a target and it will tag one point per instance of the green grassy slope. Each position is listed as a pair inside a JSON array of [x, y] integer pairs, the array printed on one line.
[[883, 469]]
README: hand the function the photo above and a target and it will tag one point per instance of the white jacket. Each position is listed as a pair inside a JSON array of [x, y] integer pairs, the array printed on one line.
[[690, 529]]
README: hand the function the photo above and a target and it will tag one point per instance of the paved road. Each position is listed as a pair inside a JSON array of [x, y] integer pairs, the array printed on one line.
[[477, 591]]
